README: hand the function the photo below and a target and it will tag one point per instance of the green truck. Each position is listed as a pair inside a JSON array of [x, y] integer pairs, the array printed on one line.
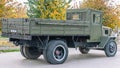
[[51, 38]]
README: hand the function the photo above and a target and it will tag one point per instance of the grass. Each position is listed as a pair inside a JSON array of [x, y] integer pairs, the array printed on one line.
[[9, 50]]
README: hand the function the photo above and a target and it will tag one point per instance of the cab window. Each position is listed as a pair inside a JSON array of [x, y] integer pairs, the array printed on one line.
[[96, 18], [81, 16]]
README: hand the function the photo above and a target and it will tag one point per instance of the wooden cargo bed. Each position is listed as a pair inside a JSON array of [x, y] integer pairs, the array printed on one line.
[[24, 28]]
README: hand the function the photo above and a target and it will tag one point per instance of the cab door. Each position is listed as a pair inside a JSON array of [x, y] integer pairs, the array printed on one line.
[[96, 26]]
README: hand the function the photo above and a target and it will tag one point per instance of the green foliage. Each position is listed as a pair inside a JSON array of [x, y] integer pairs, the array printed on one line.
[[48, 9], [10, 50]]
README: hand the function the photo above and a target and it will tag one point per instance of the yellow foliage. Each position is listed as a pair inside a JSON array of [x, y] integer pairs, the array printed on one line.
[[10, 9], [16, 10]]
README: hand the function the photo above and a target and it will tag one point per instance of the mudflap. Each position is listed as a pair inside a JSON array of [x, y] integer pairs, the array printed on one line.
[[104, 40]]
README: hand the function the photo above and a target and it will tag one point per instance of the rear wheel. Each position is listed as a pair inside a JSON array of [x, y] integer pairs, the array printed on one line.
[[110, 48], [30, 52], [84, 50], [56, 52]]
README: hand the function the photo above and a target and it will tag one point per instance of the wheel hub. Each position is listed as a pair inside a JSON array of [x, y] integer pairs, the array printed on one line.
[[59, 53], [112, 47]]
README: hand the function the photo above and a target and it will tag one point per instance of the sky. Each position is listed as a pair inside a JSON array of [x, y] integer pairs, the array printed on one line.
[[21, 0], [73, 1]]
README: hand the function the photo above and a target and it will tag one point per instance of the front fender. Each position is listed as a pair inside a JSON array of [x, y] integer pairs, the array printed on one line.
[[104, 40]]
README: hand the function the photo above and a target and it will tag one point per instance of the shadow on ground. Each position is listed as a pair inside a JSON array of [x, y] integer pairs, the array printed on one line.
[[71, 58]]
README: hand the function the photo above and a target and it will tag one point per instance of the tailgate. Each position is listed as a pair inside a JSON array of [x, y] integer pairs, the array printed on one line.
[[16, 28]]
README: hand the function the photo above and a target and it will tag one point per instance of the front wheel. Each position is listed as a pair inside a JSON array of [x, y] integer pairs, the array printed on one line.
[[110, 48], [56, 52]]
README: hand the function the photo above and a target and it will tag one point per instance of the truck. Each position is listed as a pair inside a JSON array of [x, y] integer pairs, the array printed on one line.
[[82, 30]]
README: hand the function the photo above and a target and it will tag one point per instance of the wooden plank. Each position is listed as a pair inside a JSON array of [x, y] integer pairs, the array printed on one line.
[[52, 32], [35, 31], [50, 28]]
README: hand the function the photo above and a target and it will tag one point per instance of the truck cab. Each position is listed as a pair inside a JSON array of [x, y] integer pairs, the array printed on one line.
[[94, 18]]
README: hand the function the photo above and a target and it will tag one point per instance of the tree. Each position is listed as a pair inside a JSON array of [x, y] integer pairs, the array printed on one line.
[[2, 6], [110, 12], [12, 9], [48, 9], [15, 10]]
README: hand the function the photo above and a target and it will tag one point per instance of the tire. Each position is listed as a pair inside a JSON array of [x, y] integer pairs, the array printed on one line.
[[30, 52], [84, 50], [110, 48], [21, 50], [56, 52]]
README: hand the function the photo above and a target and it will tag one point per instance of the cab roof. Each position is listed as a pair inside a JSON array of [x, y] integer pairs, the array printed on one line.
[[83, 10]]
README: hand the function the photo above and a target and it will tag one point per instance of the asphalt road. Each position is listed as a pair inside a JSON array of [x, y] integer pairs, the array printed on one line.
[[95, 59]]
